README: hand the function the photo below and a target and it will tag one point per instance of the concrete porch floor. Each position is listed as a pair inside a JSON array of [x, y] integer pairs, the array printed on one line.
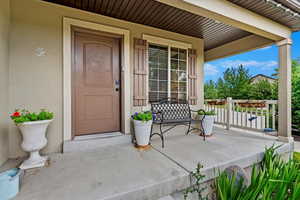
[[121, 172]]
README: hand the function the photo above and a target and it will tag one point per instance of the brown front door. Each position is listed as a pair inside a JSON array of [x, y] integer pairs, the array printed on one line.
[[96, 78]]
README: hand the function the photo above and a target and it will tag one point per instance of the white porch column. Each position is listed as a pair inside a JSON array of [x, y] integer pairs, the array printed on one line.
[[284, 91]]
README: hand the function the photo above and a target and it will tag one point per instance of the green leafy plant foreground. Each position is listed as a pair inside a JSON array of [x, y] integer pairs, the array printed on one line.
[[142, 116], [196, 188], [297, 157], [25, 116], [275, 179]]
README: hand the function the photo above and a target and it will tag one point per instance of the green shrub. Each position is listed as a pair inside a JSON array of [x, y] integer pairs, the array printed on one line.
[[202, 112], [26, 116], [142, 116], [297, 157], [273, 180]]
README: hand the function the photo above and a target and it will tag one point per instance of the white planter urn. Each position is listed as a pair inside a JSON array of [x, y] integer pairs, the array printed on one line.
[[142, 132], [34, 139], [208, 124]]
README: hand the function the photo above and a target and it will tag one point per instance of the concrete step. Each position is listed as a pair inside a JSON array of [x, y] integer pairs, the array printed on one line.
[[90, 143]]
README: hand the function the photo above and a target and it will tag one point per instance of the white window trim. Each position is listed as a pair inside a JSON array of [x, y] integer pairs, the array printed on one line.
[[168, 43]]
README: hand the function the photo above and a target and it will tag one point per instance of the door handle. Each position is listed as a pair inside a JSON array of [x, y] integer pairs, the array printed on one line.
[[117, 85]]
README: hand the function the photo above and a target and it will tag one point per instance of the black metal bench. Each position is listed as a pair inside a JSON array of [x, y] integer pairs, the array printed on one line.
[[172, 112]]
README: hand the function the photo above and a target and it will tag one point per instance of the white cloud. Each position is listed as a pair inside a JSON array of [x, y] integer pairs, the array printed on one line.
[[210, 69], [249, 63]]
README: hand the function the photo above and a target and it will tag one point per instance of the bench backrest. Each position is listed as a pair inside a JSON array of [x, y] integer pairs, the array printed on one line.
[[171, 110]]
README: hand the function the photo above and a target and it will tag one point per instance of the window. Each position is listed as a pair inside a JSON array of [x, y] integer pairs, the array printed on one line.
[[158, 73], [178, 74], [167, 77]]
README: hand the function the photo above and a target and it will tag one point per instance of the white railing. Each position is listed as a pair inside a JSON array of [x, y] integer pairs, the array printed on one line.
[[248, 114]]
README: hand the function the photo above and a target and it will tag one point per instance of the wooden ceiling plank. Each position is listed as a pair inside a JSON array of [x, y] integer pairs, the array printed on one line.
[[98, 6], [171, 17], [151, 15], [168, 14], [139, 13], [110, 7], [117, 8], [184, 19], [133, 10], [146, 15], [127, 9], [91, 5], [103, 6], [195, 26], [78, 4], [84, 4], [161, 14]]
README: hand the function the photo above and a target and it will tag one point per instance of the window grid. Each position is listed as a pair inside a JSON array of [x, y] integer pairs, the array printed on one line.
[[158, 73], [178, 73], [167, 73]]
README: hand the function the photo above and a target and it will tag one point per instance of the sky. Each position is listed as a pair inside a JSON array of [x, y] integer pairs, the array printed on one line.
[[259, 61]]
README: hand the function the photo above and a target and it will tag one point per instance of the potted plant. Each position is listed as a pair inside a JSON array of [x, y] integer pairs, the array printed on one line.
[[207, 118], [33, 127], [142, 128]]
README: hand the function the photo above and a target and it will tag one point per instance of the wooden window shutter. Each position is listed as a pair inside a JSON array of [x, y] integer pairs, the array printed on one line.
[[192, 92], [140, 72]]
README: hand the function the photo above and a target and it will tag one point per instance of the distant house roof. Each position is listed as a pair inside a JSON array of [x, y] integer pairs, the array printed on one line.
[[264, 76]]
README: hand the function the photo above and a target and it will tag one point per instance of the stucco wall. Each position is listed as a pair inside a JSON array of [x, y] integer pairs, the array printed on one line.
[[4, 41], [37, 81]]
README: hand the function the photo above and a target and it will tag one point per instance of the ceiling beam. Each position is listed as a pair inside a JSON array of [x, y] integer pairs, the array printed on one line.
[[238, 46], [234, 15]]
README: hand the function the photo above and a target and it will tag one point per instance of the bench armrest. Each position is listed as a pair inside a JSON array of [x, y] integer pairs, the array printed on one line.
[[196, 111]]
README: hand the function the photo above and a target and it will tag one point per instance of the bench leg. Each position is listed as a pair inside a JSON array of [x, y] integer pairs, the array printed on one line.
[[202, 130], [161, 135], [189, 129]]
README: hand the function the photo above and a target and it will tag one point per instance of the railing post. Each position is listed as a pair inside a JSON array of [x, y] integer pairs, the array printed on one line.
[[229, 111]]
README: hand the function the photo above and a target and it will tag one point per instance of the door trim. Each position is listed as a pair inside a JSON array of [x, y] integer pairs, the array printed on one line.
[[68, 23]]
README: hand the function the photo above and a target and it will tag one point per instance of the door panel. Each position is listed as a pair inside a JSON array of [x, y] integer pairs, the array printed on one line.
[[96, 70]]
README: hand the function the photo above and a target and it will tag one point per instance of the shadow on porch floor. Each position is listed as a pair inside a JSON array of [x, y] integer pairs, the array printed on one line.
[[122, 172]]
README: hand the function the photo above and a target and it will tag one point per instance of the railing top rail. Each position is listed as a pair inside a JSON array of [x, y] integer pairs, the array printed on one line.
[[245, 100], [255, 101]]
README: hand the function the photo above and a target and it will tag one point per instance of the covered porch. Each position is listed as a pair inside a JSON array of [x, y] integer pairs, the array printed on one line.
[[120, 171], [200, 30], [115, 170]]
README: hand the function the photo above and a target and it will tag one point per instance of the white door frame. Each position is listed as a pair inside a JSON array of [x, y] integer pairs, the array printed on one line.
[[67, 70]]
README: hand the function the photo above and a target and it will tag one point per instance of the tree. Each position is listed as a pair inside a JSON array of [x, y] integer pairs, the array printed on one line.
[[235, 83], [295, 91], [263, 90], [210, 90]]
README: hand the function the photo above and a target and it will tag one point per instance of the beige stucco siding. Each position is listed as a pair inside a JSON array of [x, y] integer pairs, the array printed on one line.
[[4, 41], [37, 81]]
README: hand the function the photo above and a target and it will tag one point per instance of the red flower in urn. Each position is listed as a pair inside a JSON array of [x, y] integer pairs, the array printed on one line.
[[16, 114]]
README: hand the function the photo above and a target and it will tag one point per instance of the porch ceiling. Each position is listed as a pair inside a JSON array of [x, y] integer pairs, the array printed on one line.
[[277, 10], [159, 15]]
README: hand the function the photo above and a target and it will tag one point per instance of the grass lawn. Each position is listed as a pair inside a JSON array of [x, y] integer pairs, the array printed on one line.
[[297, 156]]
